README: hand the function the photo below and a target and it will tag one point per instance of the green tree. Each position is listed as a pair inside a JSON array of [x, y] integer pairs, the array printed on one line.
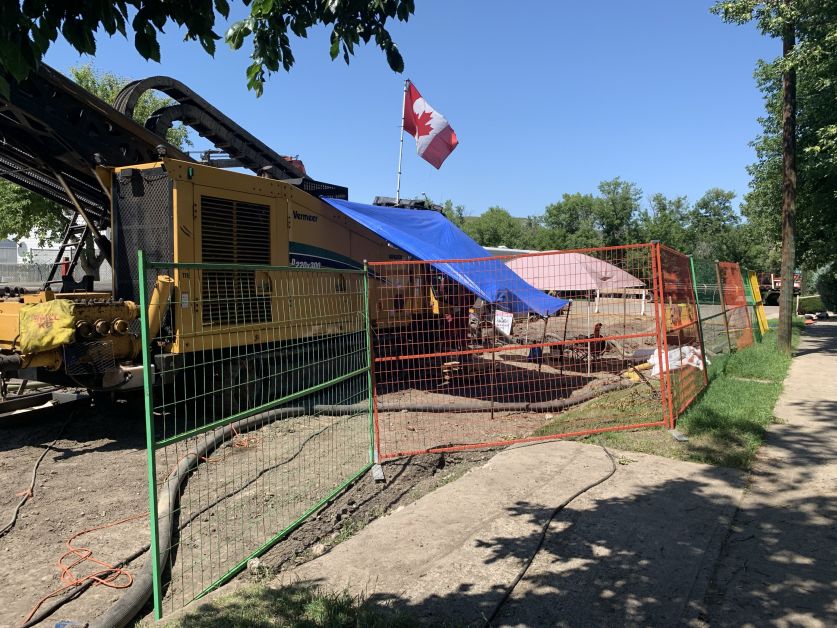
[[816, 163], [665, 220], [26, 212], [617, 212], [533, 234], [797, 151], [571, 222], [27, 29], [454, 213], [712, 221], [495, 227]]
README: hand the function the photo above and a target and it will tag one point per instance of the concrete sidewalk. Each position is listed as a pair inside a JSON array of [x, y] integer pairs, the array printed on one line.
[[629, 551], [778, 565]]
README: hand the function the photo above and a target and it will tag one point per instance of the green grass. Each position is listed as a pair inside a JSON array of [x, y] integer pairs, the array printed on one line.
[[299, 606], [728, 422], [632, 405]]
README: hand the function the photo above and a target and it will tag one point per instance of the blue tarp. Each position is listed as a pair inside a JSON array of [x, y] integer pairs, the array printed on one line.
[[428, 235]]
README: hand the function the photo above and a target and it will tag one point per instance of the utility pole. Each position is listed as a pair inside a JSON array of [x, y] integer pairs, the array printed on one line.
[[786, 313]]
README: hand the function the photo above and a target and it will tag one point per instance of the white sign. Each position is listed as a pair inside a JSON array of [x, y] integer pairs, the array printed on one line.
[[503, 321]]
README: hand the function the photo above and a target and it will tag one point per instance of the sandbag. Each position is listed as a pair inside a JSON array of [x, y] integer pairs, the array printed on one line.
[[45, 326]]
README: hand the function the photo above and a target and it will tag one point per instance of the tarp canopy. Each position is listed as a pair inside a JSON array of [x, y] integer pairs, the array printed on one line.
[[572, 272], [428, 236]]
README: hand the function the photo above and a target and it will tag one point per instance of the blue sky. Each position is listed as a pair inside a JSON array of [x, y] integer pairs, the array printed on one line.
[[551, 98]]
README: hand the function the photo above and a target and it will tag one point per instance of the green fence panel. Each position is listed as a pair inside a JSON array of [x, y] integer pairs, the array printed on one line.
[[725, 301], [711, 306], [258, 410]]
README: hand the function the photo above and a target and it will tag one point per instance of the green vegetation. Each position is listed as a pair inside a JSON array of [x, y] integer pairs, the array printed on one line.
[[811, 304], [725, 426], [28, 29], [710, 228], [814, 61], [825, 283], [26, 212], [298, 605]]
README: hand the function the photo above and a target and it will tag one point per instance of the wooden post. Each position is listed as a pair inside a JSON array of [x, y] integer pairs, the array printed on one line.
[[543, 340]]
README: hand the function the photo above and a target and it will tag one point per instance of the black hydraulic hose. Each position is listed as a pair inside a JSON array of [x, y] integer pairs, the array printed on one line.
[[538, 406], [130, 604], [10, 362]]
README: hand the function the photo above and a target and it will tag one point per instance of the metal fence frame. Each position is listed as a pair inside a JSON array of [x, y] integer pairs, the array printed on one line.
[[678, 333], [733, 291], [676, 391], [155, 445]]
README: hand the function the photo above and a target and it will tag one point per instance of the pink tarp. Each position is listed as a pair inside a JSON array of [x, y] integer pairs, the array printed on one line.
[[572, 272]]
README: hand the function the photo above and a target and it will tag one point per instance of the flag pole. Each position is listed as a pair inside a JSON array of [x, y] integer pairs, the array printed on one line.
[[401, 146]]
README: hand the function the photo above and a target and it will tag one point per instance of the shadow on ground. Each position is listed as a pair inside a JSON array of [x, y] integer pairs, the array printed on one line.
[[612, 563]]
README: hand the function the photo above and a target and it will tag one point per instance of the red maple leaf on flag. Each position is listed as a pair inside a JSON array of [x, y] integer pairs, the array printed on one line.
[[423, 124]]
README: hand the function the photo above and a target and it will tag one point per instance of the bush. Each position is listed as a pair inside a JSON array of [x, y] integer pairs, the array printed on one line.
[[810, 305], [826, 284]]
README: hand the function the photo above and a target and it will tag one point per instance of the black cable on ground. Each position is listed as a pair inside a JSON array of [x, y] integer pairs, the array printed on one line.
[[127, 607], [544, 530], [28, 493], [486, 406], [75, 592]]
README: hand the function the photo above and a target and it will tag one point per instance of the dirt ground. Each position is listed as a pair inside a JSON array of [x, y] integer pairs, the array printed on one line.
[[96, 474], [485, 397], [407, 479]]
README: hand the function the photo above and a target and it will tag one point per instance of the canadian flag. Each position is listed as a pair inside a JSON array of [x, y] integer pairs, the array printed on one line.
[[435, 139]]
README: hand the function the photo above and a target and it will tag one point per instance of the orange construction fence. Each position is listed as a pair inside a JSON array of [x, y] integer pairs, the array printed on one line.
[[737, 311], [454, 371]]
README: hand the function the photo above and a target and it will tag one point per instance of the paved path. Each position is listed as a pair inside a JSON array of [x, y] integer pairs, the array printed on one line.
[[651, 546], [629, 551], [778, 566]]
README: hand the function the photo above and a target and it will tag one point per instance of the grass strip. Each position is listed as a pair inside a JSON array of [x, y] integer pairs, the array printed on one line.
[[299, 605], [728, 422]]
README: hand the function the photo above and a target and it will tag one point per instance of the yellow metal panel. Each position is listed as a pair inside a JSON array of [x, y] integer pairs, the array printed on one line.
[[759, 304]]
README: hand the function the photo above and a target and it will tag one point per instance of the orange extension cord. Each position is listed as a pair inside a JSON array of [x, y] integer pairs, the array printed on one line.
[[109, 576]]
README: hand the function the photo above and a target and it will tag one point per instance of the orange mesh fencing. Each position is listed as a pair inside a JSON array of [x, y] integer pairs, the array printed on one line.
[[739, 327], [453, 371], [685, 368]]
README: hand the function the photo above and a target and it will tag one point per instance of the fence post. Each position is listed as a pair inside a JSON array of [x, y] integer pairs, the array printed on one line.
[[370, 382], [150, 444], [723, 302], [662, 330], [699, 319]]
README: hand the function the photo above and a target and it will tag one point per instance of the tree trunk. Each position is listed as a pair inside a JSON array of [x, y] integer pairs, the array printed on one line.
[[786, 313]]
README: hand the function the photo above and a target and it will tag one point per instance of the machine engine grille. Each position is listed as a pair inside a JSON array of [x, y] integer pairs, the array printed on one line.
[[142, 219], [234, 232]]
